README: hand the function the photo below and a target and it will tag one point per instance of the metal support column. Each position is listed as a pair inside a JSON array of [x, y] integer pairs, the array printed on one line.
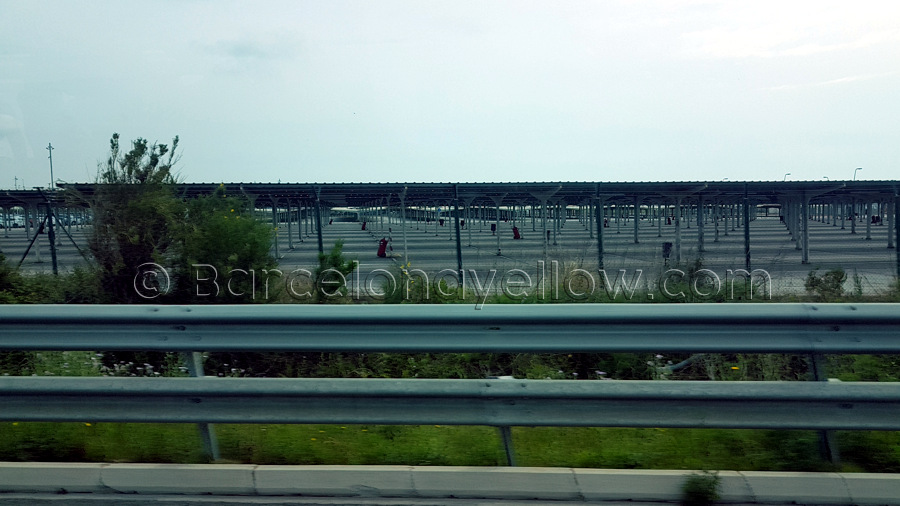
[[544, 238], [599, 215], [275, 226], [319, 224], [890, 228], [637, 216], [804, 222], [746, 213], [897, 231], [869, 221], [459, 262], [618, 218], [659, 219], [51, 237], [533, 218], [701, 247], [497, 201], [590, 220], [403, 224], [716, 207], [290, 231], [557, 225], [678, 230], [194, 363], [468, 215]]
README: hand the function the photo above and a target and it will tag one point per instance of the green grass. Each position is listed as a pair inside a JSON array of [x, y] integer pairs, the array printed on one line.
[[450, 445], [621, 448]]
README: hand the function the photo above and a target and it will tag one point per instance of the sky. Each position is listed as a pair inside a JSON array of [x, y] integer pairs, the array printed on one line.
[[454, 91]]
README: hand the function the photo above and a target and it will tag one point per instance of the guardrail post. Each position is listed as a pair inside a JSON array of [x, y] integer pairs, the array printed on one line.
[[506, 434], [194, 361], [828, 446]]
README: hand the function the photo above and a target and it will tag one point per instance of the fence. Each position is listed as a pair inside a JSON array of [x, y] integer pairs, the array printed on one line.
[[808, 329]]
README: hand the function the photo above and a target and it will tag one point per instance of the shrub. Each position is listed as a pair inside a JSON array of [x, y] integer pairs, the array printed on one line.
[[222, 241], [828, 286], [700, 489]]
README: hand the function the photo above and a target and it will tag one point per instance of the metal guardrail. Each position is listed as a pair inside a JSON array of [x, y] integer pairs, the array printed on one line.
[[699, 404], [535, 328], [808, 329]]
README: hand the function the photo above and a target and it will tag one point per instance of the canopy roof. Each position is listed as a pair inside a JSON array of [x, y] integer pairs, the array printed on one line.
[[568, 193]]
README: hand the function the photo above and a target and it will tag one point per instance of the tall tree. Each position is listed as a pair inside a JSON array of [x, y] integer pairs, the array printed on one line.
[[136, 216]]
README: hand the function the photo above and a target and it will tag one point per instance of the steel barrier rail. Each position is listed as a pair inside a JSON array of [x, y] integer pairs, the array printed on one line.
[[502, 403], [807, 329], [536, 328]]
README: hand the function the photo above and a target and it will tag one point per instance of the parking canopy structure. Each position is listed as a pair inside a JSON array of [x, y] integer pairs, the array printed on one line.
[[632, 211], [697, 203]]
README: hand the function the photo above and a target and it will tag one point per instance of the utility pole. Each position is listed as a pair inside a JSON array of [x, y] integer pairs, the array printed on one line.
[[50, 149]]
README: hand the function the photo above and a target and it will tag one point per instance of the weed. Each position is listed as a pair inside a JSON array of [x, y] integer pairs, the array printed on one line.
[[700, 489]]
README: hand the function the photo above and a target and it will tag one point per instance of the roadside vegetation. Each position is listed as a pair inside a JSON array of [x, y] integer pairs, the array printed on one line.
[[138, 218]]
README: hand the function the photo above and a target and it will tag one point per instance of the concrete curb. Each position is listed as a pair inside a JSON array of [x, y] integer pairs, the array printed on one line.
[[441, 482]]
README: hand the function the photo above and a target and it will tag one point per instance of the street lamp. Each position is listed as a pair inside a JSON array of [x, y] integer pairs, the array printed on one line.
[[825, 178], [50, 148], [855, 171], [785, 176]]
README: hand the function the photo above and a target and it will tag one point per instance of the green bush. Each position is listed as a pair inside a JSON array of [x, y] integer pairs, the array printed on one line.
[[700, 489], [331, 276], [224, 254], [828, 286]]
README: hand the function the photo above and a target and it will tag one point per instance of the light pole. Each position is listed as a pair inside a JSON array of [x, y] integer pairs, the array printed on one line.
[[50, 149], [785, 176], [855, 171], [825, 178]]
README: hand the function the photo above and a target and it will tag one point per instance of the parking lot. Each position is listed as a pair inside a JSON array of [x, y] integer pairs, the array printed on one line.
[[431, 247]]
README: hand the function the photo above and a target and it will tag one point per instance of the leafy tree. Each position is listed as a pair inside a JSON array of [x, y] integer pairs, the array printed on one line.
[[135, 214], [225, 252]]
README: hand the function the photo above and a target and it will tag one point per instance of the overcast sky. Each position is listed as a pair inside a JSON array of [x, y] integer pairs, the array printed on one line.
[[403, 91]]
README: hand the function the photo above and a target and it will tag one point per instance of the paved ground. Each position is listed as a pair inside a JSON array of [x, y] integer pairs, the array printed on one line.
[[201, 500], [870, 265]]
